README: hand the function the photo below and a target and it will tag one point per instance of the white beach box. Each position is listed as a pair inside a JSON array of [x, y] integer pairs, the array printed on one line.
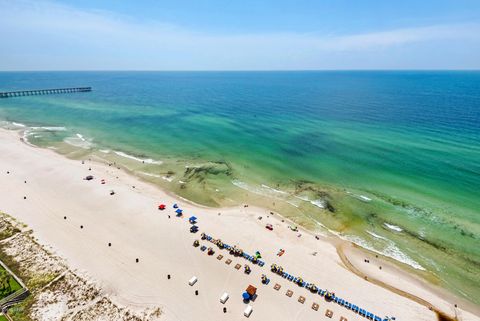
[[193, 280], [224, 298], [248, 311]]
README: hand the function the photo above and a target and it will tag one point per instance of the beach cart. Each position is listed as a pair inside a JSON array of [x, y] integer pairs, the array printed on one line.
[[248, 311], [224, 298]]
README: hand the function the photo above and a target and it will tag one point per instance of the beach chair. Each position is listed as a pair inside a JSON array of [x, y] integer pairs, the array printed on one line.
[[289, 293], [315, 306], [329, 313], [220, 257], [301, 299], [343, 319], [228, 261], [277, 286], [238, 266]]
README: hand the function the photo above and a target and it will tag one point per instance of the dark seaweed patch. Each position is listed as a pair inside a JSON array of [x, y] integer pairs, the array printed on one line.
[[212, 169]]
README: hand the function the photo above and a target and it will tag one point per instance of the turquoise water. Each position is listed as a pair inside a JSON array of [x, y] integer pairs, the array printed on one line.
[[389, 160]]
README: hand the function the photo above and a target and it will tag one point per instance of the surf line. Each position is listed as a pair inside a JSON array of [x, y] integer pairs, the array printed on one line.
[[441, 316]]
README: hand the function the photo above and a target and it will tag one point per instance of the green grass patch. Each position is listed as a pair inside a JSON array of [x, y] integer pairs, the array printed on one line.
[[8, 284], [3, 318]]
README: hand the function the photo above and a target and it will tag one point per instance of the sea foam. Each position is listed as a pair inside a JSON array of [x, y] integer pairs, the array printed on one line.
[[393, 227], [138, 159]]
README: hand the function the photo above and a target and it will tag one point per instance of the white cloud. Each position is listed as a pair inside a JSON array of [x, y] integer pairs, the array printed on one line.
[[48, 35]]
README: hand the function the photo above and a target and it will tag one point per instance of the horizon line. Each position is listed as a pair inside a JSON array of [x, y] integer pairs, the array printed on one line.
[[230, 70]]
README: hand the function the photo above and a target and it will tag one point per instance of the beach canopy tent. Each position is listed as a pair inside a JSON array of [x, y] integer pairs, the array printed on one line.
[[251, 290], [161, 207], [193, 219]]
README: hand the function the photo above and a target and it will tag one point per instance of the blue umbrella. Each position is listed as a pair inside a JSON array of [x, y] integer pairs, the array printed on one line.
[[246, 296], [179, 211], [175, 205]]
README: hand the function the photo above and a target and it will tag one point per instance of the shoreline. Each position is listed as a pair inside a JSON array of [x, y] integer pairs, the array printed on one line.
[[127, 177]]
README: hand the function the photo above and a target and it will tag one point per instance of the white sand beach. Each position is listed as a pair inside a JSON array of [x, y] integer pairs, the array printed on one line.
[[55, 188]]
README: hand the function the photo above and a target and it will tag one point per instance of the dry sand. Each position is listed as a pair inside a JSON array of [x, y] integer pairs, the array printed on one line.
[[131, 222]]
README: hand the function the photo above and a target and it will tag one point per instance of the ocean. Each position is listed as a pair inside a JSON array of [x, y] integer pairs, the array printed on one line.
[[388, 160]]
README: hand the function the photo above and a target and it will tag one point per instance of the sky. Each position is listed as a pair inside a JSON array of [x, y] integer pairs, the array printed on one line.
[[239, 35]]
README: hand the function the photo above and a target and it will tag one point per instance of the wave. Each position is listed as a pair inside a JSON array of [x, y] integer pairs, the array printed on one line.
[[263, 190], [18, 124], [150, 174], [50, 128], [79, 141], [319, 203], [360, 197], [138, 159], [268, 191], [391, 251], [377, 236], [274, 190], [393, 227], [293, 204]]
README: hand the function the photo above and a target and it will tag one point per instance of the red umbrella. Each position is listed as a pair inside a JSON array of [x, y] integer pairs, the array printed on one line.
[[161, 206]]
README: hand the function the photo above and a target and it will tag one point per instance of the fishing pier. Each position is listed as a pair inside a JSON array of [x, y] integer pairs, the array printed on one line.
[[19, 93]]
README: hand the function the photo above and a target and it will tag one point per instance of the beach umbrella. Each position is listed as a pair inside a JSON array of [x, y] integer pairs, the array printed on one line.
[[175, 205], [246, 296], [179, 211], [161, 206], [192, 219]]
